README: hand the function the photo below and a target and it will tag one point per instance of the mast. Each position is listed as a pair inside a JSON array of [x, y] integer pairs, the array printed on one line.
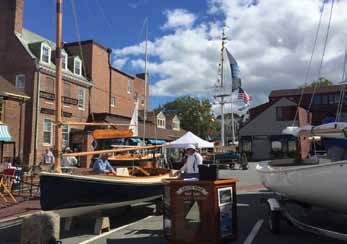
[[222, 88], [58, 121], [145, 95]]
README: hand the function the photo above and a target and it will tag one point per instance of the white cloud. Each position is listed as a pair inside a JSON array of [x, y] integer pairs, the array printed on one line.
[[119, 63], [270, 39], [178, 18]]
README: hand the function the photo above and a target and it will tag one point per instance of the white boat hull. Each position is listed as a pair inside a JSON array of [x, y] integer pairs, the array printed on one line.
[[321, 184]]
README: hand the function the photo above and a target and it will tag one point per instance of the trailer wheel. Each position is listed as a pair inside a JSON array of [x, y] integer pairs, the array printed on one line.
[[274, 221]]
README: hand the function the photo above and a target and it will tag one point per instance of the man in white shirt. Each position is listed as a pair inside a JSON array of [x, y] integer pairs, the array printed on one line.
[[194, 159]]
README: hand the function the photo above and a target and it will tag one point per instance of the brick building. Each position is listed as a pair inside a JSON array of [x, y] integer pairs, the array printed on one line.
[[11, 121], [262, 136], [90, 84]]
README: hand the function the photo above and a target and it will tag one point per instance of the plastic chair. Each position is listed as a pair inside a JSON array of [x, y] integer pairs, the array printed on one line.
[[6, 183]]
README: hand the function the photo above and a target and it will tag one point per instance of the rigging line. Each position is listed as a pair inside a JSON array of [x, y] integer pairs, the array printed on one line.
[[343, 89], [323, 54], [73, 6], [309, 64], [108, 23]]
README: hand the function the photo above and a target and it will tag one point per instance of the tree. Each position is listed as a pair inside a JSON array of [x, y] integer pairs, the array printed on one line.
[[318, 83], [195, 114]]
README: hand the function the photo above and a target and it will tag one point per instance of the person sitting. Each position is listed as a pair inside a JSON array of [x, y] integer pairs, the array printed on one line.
[[194, 159], [69, 161], [48, 157], [103, 166]]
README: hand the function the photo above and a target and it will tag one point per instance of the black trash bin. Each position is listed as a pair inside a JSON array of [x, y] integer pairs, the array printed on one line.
[[208, 172]]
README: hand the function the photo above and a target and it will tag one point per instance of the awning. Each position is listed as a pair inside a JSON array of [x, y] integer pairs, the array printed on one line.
[[4, 133]]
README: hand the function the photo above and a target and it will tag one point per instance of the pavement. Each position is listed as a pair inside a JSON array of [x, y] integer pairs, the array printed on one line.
[[138, 224]]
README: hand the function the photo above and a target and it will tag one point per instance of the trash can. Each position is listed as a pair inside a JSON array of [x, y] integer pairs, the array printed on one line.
[[200, 211]]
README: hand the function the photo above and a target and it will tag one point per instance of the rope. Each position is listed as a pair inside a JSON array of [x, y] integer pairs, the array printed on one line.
[[76, 27], [323, 54], [310, 63], [343, 89]]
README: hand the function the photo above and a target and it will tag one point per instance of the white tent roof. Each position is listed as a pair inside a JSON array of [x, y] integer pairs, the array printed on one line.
[[190, 138]]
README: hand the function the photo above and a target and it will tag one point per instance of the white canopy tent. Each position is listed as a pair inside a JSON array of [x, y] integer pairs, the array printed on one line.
[[190, 138]]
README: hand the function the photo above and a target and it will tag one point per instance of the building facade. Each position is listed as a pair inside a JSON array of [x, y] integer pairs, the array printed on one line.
[[90, 84], [262, 136]]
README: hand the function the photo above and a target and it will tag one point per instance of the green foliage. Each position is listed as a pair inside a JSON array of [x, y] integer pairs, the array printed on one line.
[[195, 114], [318, 83]]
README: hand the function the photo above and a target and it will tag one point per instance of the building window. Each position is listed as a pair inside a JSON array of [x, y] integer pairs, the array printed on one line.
[[246, 146], [143, 100], [45, 53], [161, 123], [175, 123], [129, 86], [135, 97], [67, 89], [77, 66], [64, 61], [276, 146], [65, 135], [285, 113], [113, 101], [81, 99], [331, 99], [317, 99], [291, 146], [2, 108], [20, 81], [47, 132], [324, 99]]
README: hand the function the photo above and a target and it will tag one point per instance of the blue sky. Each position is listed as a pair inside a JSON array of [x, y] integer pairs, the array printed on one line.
[[270, 39]]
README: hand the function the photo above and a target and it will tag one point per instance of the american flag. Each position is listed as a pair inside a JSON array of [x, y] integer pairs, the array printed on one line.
[[243, 96]]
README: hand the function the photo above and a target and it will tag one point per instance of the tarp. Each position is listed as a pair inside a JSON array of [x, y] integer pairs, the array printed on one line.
[[190, 138]]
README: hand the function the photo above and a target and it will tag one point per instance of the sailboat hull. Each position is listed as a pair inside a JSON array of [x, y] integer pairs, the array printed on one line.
[[321, 184], [72, 195]]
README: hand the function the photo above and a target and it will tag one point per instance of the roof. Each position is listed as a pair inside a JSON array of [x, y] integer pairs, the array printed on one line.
[[7, 89], [307, 90], [32, 44]]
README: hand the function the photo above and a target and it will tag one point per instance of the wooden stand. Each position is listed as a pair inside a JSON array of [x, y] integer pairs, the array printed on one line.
[[200, 211]]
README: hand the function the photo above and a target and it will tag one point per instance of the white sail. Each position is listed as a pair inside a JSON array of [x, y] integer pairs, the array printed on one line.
[[134, 123]]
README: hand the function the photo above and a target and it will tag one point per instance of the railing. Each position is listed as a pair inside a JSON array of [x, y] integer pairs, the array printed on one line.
[[47, 95], [51, 96], [69, 100]]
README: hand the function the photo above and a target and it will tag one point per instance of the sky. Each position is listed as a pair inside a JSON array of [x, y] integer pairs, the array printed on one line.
[[271, 40]]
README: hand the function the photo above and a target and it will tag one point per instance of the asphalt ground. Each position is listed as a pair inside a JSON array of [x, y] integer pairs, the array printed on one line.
[[138, 224]]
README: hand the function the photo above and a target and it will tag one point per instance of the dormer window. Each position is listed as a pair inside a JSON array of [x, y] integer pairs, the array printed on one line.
[[175, 123], [129, 86], [64, 61], [77, 66], [161, 120], [45, 53]]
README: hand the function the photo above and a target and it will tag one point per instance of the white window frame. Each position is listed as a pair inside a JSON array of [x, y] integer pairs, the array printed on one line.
[[80, 66], [81, 98], [161, 120], [129, 86], [45, 45], [64, 132], [20, 84], [113, 101], [2, 110], [64, 57], [51, 132]]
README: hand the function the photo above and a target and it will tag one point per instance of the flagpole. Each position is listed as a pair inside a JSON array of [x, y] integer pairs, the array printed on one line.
[[232, 116], [222, 86]]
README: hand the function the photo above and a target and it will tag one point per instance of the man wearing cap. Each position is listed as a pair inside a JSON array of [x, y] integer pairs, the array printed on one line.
[[69, 161], [103, 166], [194, 159]]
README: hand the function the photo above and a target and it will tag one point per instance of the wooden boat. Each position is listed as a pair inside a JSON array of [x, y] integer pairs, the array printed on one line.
[[76, 194]]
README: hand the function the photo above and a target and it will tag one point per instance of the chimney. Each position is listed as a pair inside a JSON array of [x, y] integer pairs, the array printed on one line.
[[11, 16]]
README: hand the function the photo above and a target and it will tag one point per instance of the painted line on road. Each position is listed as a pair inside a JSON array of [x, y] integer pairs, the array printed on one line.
[[114, 230], [243, 205], [254, 232]]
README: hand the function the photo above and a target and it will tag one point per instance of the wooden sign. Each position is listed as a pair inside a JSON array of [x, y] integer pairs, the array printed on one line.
[[108, 134]]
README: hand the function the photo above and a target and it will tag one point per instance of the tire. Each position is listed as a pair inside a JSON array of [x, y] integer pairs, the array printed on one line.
[[274, 221]]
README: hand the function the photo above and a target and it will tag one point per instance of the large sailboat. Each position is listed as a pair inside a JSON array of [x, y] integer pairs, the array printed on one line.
[[82, 191], [313, 180]]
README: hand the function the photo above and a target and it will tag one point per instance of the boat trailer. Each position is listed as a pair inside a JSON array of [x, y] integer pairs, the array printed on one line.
[[278, 212]]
